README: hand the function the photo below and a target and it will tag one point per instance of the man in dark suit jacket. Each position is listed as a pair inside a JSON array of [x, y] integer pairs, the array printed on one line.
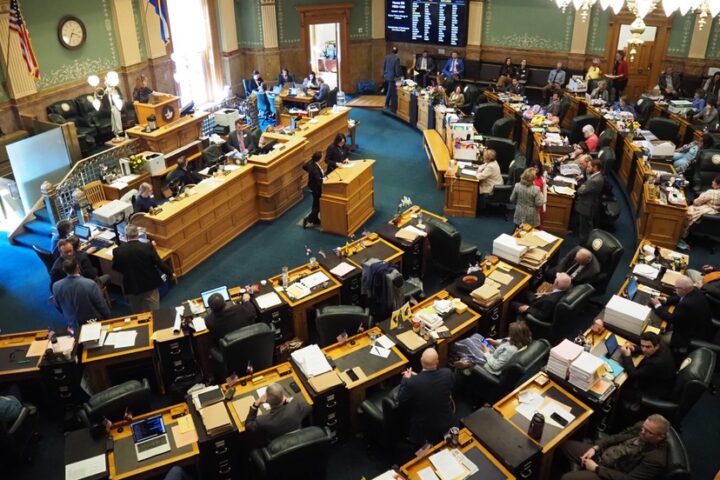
[[391, 71], [181, 175], [587, 199], [285, 414], [579, 263], [241, 139], [224, 318], [669, 83], [66, 251], [336, 153], [423, 65], [428, 395], [78, 298], [140, 266], [316, 176], [323, 91], [655, 375], [542, 306], [691, 317]]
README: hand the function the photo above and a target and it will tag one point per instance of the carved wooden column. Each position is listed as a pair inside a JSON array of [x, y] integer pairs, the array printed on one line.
[[49, 196]]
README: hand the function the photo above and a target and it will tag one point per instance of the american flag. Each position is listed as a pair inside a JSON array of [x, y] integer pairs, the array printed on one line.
[[18, 24]]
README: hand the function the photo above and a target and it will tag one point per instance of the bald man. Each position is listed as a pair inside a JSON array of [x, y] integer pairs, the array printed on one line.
[[579, 263], [691, 317], [428, 396], [286, 413], [542, 305]]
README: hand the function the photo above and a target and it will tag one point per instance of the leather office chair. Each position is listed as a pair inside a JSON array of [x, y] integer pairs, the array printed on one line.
[[485, 115], [605, 138], [299, 454], [692, 380], [471, 93], [664, 128], [253, 345], [566, 316], [15, 438], [489, 388], [333, 320], [211, 155], [707, 167], [100, 119], [332, 98], [45, 257], [247, 86], [383, 421], [500, 198], [503, 127], [506, 151], [608, 250], [447, 249], [132, 396], [67, 111], [576, 133], [643, 110], [709, 228], [564, 108]]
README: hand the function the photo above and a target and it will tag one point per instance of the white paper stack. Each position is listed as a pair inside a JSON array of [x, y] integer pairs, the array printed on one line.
[[585, 370], [311, 360], [562, 356], [505, 246], [627, 315]]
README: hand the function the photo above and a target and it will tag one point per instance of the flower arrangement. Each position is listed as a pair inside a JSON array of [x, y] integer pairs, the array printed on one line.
[[136, 163], [436, 94], [405, 203]]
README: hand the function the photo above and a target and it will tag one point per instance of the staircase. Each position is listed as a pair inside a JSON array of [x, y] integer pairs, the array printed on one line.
[[36, 231]]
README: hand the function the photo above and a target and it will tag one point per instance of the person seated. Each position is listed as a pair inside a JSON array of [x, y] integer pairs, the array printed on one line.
[[285, 77], [654, 376], [542, 305], [454, 67], [638, 452], [685, 156], [669, 83], [492, 354], [522, 73], [457, 97], [580, 150], [553, 108], [698, 101], [10, 405], [182, 175], [691, 317], [707, 279], [224, 317], [488, 175], [507, 72], [707, 203], [323, 91], [141, 92], [555, 81], [709, 114], [601, 92], [144, 201], [579, 263], [623, 106], [591, 138], [593, 71], [257, 84], [311, 81], [241, 139], [63, 229], [336, 153], [515, 87], [286, 414], [423, 65], [67, 249], [427, 396], [712, 86]]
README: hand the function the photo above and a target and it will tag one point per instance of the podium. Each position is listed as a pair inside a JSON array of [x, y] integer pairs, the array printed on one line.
[[348, 198], [165, 107]]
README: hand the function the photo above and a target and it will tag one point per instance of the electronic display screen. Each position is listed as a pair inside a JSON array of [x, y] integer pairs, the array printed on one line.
[[441, 22], [221, 290], [148, 428]]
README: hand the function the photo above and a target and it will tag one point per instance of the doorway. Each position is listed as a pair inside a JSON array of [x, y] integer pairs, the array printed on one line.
[[324, 51]]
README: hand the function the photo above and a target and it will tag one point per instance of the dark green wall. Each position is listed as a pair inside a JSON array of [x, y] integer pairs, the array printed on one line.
[[288, 19], [681, 35], [598, 31], [248, 22], [713, 49], [528, 24]]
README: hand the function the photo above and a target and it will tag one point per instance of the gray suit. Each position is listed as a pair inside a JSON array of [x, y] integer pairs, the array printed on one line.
[[80, 300], [587, 201], [391, 70], [279, 420]]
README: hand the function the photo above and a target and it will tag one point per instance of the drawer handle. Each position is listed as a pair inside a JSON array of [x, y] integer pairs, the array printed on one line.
[[331, 423], [526, 473], [221, 451], [65, 395], [331, 404], [60, 378], [225, 469]]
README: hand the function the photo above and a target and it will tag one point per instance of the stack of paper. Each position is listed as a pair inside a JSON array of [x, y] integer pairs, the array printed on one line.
[[505, 246], [670, 277], [122, 339], [602, 389], [312, 281], [91, 335], [534, 257], [585, 370], [311, 360], [562, 356], [486, 295], [627, 315], [647, 271], [342, 269], [451, 465], [216, 418], [268, 300]]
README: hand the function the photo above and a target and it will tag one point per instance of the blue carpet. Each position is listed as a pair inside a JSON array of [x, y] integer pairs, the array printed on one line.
[[401, 169]]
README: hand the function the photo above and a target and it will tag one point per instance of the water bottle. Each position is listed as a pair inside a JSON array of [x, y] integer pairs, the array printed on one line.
[[537, 425], [285, 277], [340, 98]]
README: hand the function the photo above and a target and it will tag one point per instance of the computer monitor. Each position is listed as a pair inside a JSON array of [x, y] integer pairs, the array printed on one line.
[[611, 344], [83, 232], [148, 428], [632, 288], [276, 90], [221, 290]]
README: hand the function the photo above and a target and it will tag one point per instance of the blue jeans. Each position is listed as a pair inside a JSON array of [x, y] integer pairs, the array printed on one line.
[[682, 159]]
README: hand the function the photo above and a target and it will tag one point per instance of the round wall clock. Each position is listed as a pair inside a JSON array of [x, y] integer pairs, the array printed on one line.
[[71, 32]]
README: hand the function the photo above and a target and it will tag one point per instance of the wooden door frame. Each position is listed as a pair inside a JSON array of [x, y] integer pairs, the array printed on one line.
[[662, 38], [330, 13]]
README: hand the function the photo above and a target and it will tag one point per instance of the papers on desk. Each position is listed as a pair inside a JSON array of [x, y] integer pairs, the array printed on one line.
[[119, 185], [64, 344], [37, 348], [122, 339], [385, 342], [500, 277], [197, 308], [564, 179], [108, 235], [297, 291], [568, 169], [389, 475], [427, 473], [561, 356], [379, 351], [311, 360], [670, 277], [543, 235], [563, 190], [312, 281], [91, 335], [198, 324], [585, 370], [647, 271], [469, 172], [184, 438], [268, 300], [547, 406], [86, 468], [411, 340], [449, 465], [342, 269], [410, 233]]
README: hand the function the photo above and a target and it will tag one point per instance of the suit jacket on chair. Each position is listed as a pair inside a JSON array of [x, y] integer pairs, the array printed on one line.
[[428, 396], [279, 420], [690, 319], [587, 197], [140, 266]]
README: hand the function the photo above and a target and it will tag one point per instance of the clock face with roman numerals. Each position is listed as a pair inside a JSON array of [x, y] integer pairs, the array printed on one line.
[[71, 32]]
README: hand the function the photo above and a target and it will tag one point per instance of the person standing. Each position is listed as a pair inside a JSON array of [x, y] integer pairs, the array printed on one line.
[[527, 199], [78, 298], [316, 176], [540, 183], [336, 153], [391, 71], [141, 92], [141, 268], [587, 199], [620, 74]]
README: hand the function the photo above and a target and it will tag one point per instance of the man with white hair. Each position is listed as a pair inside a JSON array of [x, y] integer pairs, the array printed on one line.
[[542, 305], [579, 263], [591, 138], [639, 452], [286, 414], [691, 317]]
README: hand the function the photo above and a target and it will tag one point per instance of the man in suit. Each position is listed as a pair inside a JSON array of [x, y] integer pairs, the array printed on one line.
[[256, 82], [542, 305], [67, 251], [423, 66], [691, 317], [224, 318], [669, 83], [323, 91], [428, 396], [654, 376], [587, 199], [515, 87], [181, 175], [454, 67], [316, 176], [579, 263], [391, 71], [336, 153], [286, 414], [556, 79], [488, 175], [285, 77], [141, 268], [78, 298], [241, 139]]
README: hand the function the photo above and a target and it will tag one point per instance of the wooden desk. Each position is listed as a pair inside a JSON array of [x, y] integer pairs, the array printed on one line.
[[371, 246], [508, 292], [321, 130], [105, 257], [667, 256], [122, 460], [173, 135], [283, 98], [487, 464], [97, 360], [461, 193], [113, 192], [551, 249], [14, 363], [348, 198], [438, 155], [425, 113], [659, 221], [594, 340], [558, 209], [302, 306], [552, 436], [403, 108], [282, 373]]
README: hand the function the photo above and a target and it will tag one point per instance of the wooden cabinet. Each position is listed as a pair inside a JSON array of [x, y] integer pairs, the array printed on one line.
[[173, 135], [658, 223], [426, 115], [348, 198], [460, 195], [403, 110], [557, 213]]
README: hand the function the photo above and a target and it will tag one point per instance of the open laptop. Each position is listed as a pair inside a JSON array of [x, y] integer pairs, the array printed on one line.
[[221, 290], [638, 294], [150, 437], [84, 233], [609, 348]]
